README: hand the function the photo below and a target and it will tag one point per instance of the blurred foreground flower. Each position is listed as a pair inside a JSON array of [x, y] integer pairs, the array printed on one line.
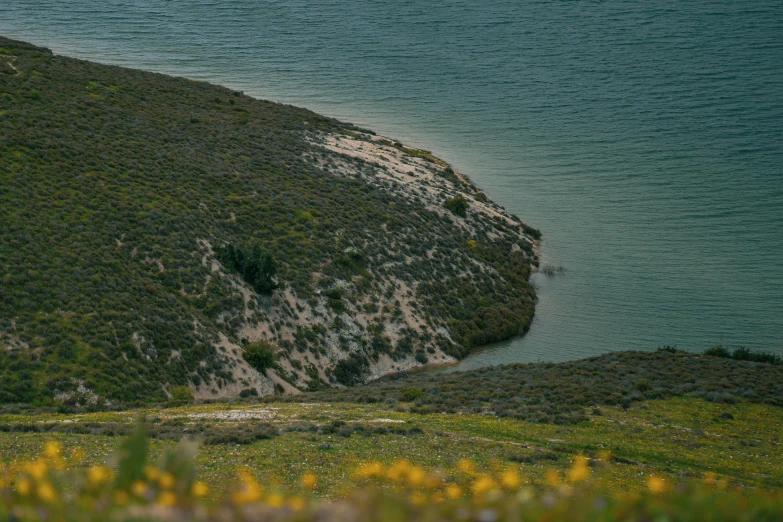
[[168, 490]]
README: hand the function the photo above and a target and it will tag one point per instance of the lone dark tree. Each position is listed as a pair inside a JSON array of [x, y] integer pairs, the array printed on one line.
[[256, 268]]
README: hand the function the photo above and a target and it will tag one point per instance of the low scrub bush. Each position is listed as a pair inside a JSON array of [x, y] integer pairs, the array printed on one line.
[[457, 205], [260, 355], [744, 354], [181, 393], [351, 371]]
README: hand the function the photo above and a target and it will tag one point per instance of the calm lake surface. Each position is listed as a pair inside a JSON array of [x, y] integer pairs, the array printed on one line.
[[645, 139]]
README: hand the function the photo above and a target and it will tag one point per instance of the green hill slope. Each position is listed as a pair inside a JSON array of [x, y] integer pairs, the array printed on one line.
[[567, 392], [121, 191]]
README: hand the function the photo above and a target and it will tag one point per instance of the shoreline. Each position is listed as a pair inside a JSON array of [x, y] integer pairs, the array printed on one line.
[[349, 144], [429, 266]]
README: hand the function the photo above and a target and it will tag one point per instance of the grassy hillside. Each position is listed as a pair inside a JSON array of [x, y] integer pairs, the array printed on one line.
[[689, 458], [674, 438], [157, 228], [635, 436], [670, 413], [566, 393]]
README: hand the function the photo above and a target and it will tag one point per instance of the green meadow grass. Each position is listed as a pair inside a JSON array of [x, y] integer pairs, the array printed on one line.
[[677, 439]]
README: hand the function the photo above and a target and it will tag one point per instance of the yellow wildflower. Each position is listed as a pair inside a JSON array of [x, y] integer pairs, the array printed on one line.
[[46, 492], [36, 468], [151, 472], [249, 490], [247, 493], [453, 491], [274, 500], [371, 469], [552, 477], [710, 478], [483, 484], [510, 478], [415, 476], [23, 487], [398, 470], [656, 484], [97, 474], [418, 498], [296, 503], [580, 470], [52, 449], [139, 488], [465, 465], [309, 480], [199, 489], [166, 480], [166, 498]]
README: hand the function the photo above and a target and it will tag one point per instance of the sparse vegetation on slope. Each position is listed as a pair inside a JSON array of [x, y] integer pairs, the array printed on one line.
[[564, 392], [125, 195]]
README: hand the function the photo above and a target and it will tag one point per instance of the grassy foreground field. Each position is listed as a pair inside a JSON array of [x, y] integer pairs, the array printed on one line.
[[674, 440]]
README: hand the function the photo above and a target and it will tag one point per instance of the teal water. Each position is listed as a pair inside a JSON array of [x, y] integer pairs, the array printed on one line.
[[645, 139]]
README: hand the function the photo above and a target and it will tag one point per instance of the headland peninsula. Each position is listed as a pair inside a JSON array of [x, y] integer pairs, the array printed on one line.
[[165, 234]]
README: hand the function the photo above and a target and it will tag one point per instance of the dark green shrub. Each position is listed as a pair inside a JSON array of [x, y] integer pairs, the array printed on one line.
[[717, 351], [449, 174], [457, 205], [744, 354], [255, 267], [181, 393], [351, 262], [335, 299], [352, 371], [334, 293], [260, 355], [410, 394], [532, 232]]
